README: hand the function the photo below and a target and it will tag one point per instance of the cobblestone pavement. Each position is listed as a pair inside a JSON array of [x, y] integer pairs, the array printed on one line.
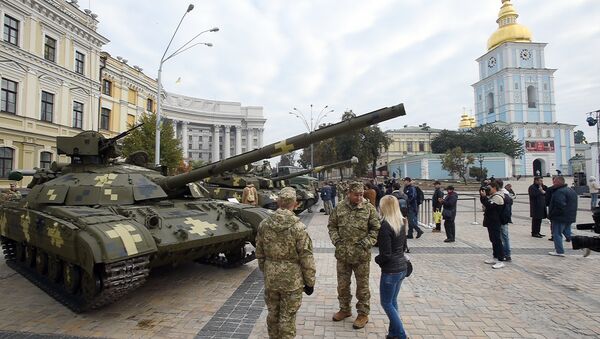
[[451, 294]]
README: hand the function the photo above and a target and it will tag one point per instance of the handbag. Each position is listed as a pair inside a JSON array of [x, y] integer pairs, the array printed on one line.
[[409, 267], [437, 216]]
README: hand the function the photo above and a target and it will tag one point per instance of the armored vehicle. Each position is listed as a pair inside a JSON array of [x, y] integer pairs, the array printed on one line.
[[306, 187], [89, 232]]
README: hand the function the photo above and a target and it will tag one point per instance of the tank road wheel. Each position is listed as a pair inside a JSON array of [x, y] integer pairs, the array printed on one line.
[[54, 269], [41, 262], [71, 277], [235, 256], [30, 256], [90, 286]]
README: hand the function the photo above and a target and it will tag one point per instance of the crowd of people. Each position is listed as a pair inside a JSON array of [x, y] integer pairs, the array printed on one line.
[[369, 214]]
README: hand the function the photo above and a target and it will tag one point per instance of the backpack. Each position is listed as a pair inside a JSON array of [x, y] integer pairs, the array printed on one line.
[[402, 202], [420, 195], [506, 214]]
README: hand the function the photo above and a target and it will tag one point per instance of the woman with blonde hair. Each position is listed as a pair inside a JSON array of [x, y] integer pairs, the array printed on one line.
[[391, 259]]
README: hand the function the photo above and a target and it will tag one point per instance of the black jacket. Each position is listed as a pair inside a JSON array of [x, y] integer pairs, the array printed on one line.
[[493, 208], [537, 202], [449, 203], [563, 206], [391, 249], [438, 193]]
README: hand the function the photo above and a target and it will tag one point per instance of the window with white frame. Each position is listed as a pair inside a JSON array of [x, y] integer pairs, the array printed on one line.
[[45, 159], [50, 49], [8, 100], [47, 106], [77, 114], [11, 30]]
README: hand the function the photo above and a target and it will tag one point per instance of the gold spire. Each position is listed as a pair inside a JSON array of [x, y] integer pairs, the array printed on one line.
[[508, 28], [466, 121]]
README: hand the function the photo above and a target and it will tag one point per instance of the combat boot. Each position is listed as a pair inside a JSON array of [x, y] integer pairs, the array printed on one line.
[[341, 315], [360, 321]]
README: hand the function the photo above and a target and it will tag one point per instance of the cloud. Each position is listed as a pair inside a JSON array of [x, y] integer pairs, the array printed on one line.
[[351, 54]]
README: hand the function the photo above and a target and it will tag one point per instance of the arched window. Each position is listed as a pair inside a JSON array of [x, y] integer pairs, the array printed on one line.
[[531, 97], [490, 102], [6, 161], [45, 159]]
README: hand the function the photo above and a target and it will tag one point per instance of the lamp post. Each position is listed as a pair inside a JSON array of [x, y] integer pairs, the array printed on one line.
[[314, 122], [164, 58], [592, 120], [427, 129], [480, 158]]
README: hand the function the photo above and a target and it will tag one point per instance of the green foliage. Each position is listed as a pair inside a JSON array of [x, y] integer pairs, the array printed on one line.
[[580, 137], [143, 139], [478, 173], [483, 139], [196, 164], [456, 162], [288, 159]]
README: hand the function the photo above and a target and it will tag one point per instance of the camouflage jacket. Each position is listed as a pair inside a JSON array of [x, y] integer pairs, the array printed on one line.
[[353, 231], [285, 253]]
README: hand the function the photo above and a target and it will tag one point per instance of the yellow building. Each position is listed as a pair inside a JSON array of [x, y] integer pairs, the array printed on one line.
[[126, 93], [49, 66], [410, 140]]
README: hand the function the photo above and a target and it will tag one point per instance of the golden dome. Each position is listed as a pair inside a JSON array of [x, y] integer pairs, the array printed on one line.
[[466, 122], [508, 28]]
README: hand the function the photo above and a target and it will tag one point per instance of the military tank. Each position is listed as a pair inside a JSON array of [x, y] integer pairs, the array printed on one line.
[[89, 232], [307, 195]]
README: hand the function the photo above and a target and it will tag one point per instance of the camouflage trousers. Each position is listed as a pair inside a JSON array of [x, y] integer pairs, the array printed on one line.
[[282, 308], [344, 278]]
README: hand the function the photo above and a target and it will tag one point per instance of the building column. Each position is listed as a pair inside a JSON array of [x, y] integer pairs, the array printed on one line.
[[215, 143], [238, 140], [174, 126], [184, 140], [226, 142], [260, 137]]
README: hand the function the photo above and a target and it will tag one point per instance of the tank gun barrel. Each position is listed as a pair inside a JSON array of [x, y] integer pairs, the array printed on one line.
[[170, 184], [114, 139], [317, 169]]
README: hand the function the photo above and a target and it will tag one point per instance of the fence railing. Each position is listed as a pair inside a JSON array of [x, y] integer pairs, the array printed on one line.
[[426, 210]]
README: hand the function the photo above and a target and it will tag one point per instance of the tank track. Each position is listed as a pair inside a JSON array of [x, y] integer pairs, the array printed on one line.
[[118, 279]]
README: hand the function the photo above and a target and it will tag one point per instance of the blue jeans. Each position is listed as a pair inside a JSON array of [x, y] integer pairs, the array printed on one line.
[[413, 223], [558, 229], [389, 287], [594, 200], [505, 240]]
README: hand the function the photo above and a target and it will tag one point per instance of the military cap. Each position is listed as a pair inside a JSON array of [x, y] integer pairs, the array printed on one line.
[[356, 186], [287, 194]]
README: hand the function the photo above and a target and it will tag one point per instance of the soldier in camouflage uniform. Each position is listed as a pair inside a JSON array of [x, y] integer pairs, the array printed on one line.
[[353, 227], [285, 256], [10, 194]]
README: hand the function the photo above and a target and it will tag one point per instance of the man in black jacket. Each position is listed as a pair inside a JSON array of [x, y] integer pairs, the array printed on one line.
[[493, 201], [449, 213], [436, 204], [537, 205], [562, 213]]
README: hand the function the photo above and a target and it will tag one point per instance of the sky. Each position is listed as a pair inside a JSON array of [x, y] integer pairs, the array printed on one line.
[[359, 55]]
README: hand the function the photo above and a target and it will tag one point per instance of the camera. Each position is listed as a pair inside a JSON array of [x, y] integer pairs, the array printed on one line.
[[487, 189]]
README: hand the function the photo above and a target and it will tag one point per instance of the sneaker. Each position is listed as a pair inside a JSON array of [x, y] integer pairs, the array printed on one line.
[[420, 234], [507, 258], [498, 265], [490, 261], [556, 254], [586, 252]]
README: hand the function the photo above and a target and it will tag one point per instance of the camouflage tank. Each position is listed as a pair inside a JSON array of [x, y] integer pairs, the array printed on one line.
[[307, 194], [89, 232]]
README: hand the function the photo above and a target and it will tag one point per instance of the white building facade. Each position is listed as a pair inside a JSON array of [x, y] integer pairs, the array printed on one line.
[[212, 130], [516, 90]]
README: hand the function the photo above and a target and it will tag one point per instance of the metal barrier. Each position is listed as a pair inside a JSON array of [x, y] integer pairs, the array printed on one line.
[[426, 210]]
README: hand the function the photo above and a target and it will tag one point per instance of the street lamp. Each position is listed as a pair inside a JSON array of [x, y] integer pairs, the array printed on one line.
[[427, 129], [314, 122], [164, 58], [480, 158], [592, 120]]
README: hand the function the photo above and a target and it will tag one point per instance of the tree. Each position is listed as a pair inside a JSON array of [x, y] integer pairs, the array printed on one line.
[[143, 139], [196, 164], [456, 162], [375, 140], [478, 173], [288, 159], [579, 137], [482, 139]]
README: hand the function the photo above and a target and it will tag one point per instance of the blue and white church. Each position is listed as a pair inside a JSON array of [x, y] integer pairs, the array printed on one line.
[[516, 91]]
